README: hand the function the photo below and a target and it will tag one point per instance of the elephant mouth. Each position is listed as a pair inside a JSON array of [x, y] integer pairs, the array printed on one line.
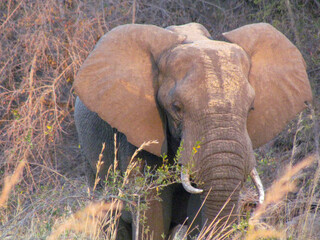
[[185, 176]]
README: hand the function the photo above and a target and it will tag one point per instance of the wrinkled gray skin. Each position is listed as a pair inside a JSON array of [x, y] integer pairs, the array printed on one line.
[[92, 133], [200, 98], [224, 154]]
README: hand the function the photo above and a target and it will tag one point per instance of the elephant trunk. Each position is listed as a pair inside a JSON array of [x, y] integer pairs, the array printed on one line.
[[221, 165], [221, 184], [222, 172]]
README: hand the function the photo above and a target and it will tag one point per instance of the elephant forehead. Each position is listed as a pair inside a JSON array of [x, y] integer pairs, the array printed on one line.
[[186, 54], [218, 60], [224, 75], [222, 68]]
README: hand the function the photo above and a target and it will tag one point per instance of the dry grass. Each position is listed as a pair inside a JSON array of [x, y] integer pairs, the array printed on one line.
[[282, 187], [42, 45], [10, 182], [274, 196], [100, 220], [92, 220]]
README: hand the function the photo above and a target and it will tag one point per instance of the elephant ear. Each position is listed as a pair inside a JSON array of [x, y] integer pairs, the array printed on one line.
[[278, 76], [193, 32], [116, 81]]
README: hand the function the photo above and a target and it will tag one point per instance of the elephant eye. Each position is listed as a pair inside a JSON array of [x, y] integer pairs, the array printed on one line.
[[177, 107], [251, 107]]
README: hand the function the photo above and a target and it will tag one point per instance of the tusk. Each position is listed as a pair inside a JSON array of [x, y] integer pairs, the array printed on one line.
[[257, 181], [185, 180]]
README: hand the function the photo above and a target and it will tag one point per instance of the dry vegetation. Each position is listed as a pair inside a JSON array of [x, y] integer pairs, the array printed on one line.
[[42, 45]]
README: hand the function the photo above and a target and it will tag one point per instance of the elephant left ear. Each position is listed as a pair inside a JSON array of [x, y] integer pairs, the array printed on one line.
[[278, 76]]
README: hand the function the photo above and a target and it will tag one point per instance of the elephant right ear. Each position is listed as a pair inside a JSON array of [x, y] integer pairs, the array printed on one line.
[[278, 76], [117, 81]]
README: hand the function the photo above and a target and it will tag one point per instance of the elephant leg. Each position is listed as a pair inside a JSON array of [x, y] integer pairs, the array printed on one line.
[[157, 216], [257, 181], [90, 175], [124, 230], [121, 226]]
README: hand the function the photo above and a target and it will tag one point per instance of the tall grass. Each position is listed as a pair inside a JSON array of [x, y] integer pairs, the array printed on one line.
[[10, 182], [42, 44], [100, 220]]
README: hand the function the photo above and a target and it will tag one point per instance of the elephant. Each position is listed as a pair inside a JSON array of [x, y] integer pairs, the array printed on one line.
[[177, 84]]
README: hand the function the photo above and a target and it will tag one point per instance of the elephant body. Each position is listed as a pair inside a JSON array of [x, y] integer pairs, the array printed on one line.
[[92, 133], [177, 85]]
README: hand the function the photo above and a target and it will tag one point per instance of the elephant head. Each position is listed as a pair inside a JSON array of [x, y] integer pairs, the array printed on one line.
[[177, 84]]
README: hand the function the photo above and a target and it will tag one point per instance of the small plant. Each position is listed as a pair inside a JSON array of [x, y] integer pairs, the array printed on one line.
[[140, 185], [131, 191], [242, 226]]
